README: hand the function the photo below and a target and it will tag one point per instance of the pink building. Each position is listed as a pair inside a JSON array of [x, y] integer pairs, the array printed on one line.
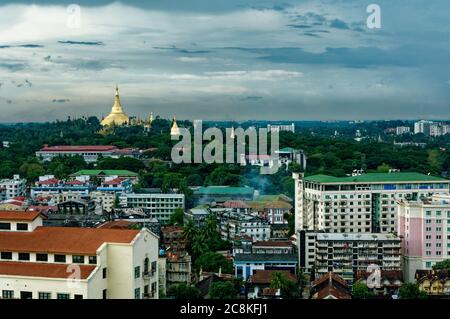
[[424, 227]]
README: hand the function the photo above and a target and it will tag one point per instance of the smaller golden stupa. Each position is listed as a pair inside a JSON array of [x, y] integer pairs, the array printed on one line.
[[175, 130], [117, 115]]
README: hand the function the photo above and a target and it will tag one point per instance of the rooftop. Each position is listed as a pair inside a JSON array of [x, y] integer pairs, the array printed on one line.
[[78, 148], [224, 190], [401, 177], [19, 215], [83, 241], [356, 236], [265, 276], [265, 257], [272, 244], [95, 172], [29, 269]]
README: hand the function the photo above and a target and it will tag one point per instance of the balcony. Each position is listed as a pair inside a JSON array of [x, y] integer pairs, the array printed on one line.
[[148, 295], [147, 275]]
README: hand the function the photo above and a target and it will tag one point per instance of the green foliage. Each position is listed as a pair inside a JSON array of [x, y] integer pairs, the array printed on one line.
[[177, 217], [289, 289], [442, 265], [361, 291], [411, 291], [183, 291], [223, 290], [210, 261]]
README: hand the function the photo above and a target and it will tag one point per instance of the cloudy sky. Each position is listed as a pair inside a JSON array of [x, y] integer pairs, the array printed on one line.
[[230, 60]]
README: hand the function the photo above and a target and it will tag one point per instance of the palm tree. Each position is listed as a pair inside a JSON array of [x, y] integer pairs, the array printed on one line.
[[210, 227], [278, 280], [199, 245], [190, 231]]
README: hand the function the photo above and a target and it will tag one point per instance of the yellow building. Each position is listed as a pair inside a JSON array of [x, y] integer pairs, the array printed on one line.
[[117, 115], [433, 282]]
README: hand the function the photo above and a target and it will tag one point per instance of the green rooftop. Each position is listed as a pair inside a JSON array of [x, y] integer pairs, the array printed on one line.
[[96, 172], [224, 190], [376, 178]]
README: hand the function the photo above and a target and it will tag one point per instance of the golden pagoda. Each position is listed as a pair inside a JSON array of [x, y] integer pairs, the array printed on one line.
[[175, 130], [117, 115]]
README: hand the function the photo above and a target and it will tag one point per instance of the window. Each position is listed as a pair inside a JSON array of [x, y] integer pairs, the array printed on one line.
[[22, 226], [62, 296], [24, 256], [41, 257], [6, 255], [104, 272], [137, 293], [78, 259], [44, 295], [92, 260], [78, 297], [7, 294], [104, 293], [137, 272], [5, 226], [60, 258]]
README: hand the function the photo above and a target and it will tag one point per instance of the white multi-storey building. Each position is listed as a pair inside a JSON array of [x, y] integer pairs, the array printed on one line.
[[160, 206], [424, 226], [39, 262], [422, 127], [13, 187], [358, 204], [347, 253], [402, 130]]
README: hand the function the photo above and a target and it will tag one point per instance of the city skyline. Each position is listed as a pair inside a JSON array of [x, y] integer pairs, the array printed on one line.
[[239, 60]]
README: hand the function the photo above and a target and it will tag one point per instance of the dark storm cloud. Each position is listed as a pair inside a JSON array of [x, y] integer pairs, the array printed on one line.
[[179, 50], [356, 57], [339, 24], [82, 42], [60, 100], [27, 46], [252, 98]]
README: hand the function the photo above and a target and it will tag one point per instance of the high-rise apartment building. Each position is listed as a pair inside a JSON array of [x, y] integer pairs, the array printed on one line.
[[363, 203]]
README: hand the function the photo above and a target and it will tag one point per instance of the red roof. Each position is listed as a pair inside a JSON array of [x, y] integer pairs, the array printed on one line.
[[75, 182], [29, 269], [18, 216], [83, 241], [266, 276], [20, 198], [114, 181], [273, 243], [14, 202], [49, 181], [81, 148], [117, 224], [235, 204]]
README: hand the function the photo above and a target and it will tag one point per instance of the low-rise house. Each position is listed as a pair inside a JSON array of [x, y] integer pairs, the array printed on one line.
[[232, 224], [197, 215], [178, 268], [172, 237], [221, 194], [246, 264], [102, 174], [258, 285], [382, 283], [49, 185], [330, 286], [434, 282], [157, 205], [90, 153], [38, 262]]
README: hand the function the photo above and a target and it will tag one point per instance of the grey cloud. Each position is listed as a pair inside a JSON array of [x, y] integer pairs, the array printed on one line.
[[60, 100], [13, 66], [252, 98], [339, 24]]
